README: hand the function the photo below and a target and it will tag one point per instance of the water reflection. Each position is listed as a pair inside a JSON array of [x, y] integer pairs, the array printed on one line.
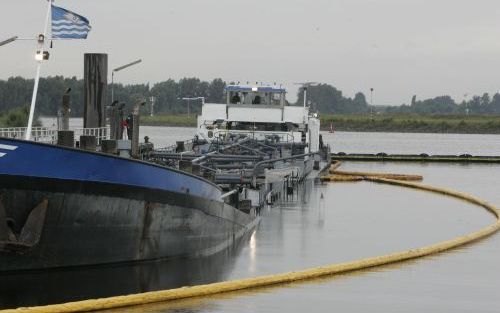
[[58, 286], [330, 223]]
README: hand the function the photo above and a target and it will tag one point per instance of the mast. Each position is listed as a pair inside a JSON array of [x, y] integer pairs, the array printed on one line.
[[40, 56]]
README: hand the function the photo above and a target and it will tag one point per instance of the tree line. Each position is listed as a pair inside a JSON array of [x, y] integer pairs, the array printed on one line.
[[444, 105], [324, 98], [17, 91], [327, 99]]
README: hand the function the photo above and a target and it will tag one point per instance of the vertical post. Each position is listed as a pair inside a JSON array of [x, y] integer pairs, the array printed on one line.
[[121, 115], [152, 99], [65, 111], [95, 89], [113, 76], [33, 102], [41, 47], [135, 129], [305, 95], [113, 86], [115, 121]]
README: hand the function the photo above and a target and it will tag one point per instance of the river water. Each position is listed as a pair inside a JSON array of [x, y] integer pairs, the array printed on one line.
[[323, 224]]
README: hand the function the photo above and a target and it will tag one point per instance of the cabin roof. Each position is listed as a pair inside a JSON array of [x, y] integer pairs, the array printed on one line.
[[245, 88]]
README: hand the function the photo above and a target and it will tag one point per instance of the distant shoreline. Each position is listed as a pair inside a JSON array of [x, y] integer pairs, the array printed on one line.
[[390, 123]]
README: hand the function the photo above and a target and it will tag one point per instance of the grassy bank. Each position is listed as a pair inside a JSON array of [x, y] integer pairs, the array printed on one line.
[[181, 120], [461, 124], [405, 123]]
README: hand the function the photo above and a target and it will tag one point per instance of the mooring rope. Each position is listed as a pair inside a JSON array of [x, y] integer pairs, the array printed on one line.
[[270, 280]]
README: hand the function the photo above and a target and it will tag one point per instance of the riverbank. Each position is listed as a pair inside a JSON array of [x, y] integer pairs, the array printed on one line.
[[178, 120], [398, 123], [411, 123]]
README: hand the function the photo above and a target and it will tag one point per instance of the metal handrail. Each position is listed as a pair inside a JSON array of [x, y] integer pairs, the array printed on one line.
[[49, 135], [249, 133], [101, 133], [259, 164], [40, 134]]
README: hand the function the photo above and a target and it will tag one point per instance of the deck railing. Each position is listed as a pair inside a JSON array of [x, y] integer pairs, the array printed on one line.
[[259, 134], [41, 134], [49, 135], [101, 133]]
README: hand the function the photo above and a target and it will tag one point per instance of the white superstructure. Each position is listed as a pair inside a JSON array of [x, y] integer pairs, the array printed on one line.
[[259, 112]]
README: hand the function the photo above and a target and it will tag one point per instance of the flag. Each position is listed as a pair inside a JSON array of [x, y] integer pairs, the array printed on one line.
[[68, 25]]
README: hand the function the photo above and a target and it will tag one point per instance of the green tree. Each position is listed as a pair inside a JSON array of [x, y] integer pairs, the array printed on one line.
[[328, 99], [215, 93]]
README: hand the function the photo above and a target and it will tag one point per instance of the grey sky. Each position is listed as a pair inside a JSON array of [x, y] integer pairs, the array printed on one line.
[[398, 47]]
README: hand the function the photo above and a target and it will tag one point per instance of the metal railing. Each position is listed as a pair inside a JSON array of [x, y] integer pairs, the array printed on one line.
[[49, 135], [258, 134], [101, 133], [40, 134]]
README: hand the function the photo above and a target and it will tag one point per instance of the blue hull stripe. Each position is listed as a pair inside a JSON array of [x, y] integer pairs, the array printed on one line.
[[24, 158]]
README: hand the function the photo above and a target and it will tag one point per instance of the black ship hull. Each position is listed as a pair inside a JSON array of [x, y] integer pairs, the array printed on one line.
[[88, 229], [63, 207]]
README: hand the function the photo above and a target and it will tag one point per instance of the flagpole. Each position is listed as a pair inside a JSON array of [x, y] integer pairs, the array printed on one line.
[[37, 77]]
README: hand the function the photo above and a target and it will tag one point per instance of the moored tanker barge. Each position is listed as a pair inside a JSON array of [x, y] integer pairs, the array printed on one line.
[[62, 206]]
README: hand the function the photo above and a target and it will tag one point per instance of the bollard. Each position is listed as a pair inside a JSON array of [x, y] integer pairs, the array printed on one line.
[[109, 146], [123, 147], [88, 143], [186, 166], [66, 138], [208, 175], [180, 146], [196, 169], [245, 205]]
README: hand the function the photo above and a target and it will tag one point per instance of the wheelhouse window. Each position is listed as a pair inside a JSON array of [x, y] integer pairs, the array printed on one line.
[[255, 96]]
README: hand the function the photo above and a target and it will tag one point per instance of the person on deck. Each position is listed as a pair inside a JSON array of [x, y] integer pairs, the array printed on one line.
[[236, 99], [124, 127]]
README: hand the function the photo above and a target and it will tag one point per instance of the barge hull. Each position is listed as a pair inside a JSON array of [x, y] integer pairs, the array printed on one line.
[[91, 224]]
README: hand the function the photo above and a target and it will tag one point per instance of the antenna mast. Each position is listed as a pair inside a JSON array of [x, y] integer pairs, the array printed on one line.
[[40, 56]]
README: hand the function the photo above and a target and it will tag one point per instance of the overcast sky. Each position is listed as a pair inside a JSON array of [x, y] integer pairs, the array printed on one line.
[[398, 47]]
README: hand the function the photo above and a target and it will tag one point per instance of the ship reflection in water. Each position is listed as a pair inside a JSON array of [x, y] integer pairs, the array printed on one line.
[[59, 286]]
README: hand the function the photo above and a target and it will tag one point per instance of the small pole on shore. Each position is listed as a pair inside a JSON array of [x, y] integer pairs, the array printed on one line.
[[371, 104], [152, 99], [188, 99], [306, 85]]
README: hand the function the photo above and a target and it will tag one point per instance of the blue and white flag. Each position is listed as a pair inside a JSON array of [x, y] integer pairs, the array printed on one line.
[[68, 25]]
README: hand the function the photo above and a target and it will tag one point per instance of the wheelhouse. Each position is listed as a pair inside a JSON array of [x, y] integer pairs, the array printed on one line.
[[259, 95]]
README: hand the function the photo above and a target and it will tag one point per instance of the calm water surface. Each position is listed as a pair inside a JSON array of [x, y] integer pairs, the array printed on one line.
[[328, 223]]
